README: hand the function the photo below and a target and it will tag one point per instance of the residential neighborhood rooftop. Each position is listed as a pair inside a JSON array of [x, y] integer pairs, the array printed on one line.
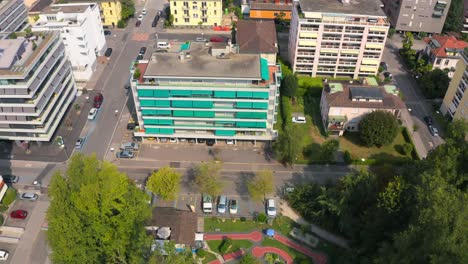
[[40, 5], [441, 44], [357, 7], [270, 6], [9, 49], [67, 8], [255, 36], [183, 224]]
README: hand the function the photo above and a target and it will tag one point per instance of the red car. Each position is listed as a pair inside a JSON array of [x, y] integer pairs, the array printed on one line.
[[21, 214], [217, 39], [98, 100]]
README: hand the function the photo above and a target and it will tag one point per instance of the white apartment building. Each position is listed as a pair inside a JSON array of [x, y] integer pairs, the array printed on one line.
[[13, 15], [81, 30], [36, 87], [337, 38]]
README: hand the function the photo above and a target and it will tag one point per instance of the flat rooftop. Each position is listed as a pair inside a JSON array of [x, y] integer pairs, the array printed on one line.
[[203, 65], [8, 50], [357, 7], [67, 8]]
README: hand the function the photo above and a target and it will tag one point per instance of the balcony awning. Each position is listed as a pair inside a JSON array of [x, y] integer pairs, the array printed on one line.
[[264, 69]]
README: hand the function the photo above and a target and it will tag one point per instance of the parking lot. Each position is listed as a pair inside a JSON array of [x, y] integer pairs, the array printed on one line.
[[20, 205]]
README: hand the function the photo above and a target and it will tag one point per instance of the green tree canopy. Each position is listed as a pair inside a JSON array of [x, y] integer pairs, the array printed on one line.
[[208, 178], [289, 145], [96, 214], [167, 254], [165, 182], [434, 84], [378, 128], [328, 150], [128, 9], [453, 23], [289, 85], [261, 185], [249, 259]]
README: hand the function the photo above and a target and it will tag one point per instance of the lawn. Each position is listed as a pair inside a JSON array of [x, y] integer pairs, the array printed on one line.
[[212, 224], [296, 255], [236, 245], [208, 257]]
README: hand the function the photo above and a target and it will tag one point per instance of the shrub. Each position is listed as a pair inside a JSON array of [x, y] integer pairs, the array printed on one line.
[[121, 24], [224, 247], [3, 208], [391, 32], [243, 219], [201, 253], [262, 218], [286, 110], [10, 196], [289, 86], [1, 219], [407, 148], [347, 157]]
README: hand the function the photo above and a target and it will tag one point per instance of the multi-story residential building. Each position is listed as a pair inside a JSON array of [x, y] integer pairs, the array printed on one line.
[[270, 9], [343, 104], [417, 15], [36, 87], [329, 38], [13, 15], [111, 10], [197, 13], [443, 52], [455, 104], [81, 31], [206, 92], [465, 17], [36, 9], [257, 37]]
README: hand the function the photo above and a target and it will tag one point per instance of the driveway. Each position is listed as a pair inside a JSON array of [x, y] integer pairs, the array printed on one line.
[[20, 205]]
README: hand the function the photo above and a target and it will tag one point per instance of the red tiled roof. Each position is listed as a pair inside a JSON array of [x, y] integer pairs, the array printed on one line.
[[446, 42], [256, 36]]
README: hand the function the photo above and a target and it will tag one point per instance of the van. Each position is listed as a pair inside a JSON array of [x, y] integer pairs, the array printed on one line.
[[163, 45], [222, 203]]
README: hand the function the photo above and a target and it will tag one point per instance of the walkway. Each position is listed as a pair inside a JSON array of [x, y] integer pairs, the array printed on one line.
[[253, 236], [318, 257], [261, 251]]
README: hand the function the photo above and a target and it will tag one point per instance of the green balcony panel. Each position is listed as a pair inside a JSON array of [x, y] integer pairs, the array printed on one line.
[[167, 122], [261, 124], [151, 130], [147, 102], [225, 94], [228, 133], [163, 112], [181, 93], [162, 103], [145, 93], [252, 115], [202, 104], [244, 105], [166, 131], [244, 94], [265, 73], [226, 122], [260, 95], [260, 105], [243, 114], [259, 115], [183, 113], [196, 93], [148, 112], [182, 104], [161, 93], [246, 124], [151, 121], [204, 114]]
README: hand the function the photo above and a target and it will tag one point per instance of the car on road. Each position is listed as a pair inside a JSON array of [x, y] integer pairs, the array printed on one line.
[[200, 39], [434, 131], [233, 206], [428, 120], [154, 23], [217, 39], [9, 179], [98, 99], [29, 196], [387, 75], [80, 142], [210, 142], [140, 17], [271, 207], [143, 12], [125, 154], [384, 66], [299, 119], [142, 50], [107, 32], [3, 254], [19, 214], [92, 113], [139, 57], [108, 52], [138, 23], [130, 146]]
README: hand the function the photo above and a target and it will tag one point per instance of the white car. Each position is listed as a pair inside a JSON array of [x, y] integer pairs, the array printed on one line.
[[140, 17], [173, 140], [299, 119], [143, 12], [92, 113], [233, 206], [230, 141], [271, 208], [3, 254]]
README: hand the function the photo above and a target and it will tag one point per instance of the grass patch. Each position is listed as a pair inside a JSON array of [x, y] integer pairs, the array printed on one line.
[[208, 258], [297, 256], [236, 245], [213, 224]]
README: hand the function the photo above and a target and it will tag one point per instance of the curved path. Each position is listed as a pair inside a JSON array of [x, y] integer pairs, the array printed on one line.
[[318, 258], [253, 236], [261, 251]]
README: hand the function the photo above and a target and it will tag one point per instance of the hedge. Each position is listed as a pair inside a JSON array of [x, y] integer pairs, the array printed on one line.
[[408, 139], [10, 196]]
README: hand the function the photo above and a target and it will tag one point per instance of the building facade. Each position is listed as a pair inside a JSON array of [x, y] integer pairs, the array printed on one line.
[[443, 52], [81, 30], [455, 103], [13, 15], [270, 9], [417, 15], [36, 87], [197, 13], [204, 92], [338, 40], [343, 105], [111, 12]]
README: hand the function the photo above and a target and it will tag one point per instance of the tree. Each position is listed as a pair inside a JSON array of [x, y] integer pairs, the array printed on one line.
[[408, 41], [457, 130], [289, 145], [207, 178], [96, 214], [136, 74], [261, 185], [249, 259], [128, 9], [13, 35], [167, 254], [391, 32], [378, 128], [289, 86], [434, 84], [328, 150], [165, 183], [453, 23]]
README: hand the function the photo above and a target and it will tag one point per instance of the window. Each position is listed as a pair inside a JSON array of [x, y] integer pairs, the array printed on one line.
[[195, 15], [186, 20], [446, 62], [176, 20], [204, 20], [175, 3], [175, 12], [215, 12], [438, 61], [110, 12]]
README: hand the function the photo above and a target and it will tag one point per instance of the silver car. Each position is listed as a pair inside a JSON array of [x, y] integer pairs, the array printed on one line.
[[130, 146], [29, 196]]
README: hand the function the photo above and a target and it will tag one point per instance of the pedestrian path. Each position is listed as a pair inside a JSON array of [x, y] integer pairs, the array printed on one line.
[[261, 251], [253, 236], [318, 257], [234, 255]]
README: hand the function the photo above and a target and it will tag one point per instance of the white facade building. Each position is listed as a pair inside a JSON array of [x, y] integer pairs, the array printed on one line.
[[36, 87], [13, 15], [81, 30], [337, 38]]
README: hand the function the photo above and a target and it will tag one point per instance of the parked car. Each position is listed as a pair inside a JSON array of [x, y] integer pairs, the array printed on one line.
[[434, 131], [230, 141], [79, 143], [29, 196], [200, 140], [163, 140], [428, 120], [107, 32], [3, 254], [217, 39], [201, 39], [210, 142], [299, 119], [384, 65], [140, 17], [387, 75], [19, 214], [191, 140], [8, 178], [154, 23], [222, 203], [139, 57], [173, 140], [130, 146], [233, 206], [98, 99], [125, 154], [142, 50], [139, 139], [143, 12], [92, 113], [138, 23], [271, 208], [108, 52]]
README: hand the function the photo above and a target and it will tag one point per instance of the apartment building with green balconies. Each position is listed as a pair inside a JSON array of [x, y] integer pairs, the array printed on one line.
[[206, 91]]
